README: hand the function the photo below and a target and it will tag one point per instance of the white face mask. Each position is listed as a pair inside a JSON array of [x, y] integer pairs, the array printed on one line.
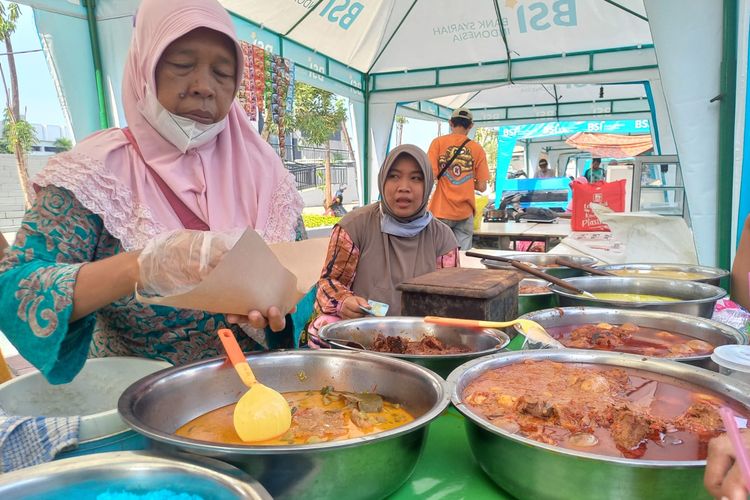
[[183, 132]]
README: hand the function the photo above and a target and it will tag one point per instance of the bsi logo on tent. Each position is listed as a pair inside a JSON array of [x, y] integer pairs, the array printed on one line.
[[542, 16], [343, 12]]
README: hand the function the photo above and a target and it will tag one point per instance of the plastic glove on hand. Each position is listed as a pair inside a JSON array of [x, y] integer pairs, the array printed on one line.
[[175, 262]]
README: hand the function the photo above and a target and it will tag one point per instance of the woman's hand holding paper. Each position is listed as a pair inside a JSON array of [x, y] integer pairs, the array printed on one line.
[[258, 320]]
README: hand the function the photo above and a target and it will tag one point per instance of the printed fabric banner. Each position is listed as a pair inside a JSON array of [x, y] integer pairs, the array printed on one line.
[[508, 135]]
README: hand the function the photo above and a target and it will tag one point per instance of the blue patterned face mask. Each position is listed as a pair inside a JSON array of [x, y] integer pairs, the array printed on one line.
[[390, 225], [182, 132]]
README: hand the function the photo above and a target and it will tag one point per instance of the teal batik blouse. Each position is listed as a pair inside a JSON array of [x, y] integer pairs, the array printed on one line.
[[37, 277]]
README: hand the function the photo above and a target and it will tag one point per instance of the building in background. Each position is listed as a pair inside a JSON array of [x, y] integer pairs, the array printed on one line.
[[47, 138]]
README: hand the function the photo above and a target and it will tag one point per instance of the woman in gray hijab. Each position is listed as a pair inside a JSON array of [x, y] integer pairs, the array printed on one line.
[[375, 248]]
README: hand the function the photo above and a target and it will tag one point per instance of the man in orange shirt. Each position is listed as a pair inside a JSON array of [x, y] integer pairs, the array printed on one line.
[[460, 167]]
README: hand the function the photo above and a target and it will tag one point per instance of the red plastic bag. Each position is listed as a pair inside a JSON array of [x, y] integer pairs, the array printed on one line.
[[609, 194]]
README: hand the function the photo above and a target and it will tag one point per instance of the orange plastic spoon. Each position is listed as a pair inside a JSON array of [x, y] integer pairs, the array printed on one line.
[[261, 413]]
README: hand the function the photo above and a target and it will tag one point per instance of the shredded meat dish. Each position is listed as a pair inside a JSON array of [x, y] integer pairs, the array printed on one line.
[[427, 345], [630, 338], [603, 410]]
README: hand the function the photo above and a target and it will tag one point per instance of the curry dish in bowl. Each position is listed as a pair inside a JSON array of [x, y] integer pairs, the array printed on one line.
[[604, 410], [317, 417]]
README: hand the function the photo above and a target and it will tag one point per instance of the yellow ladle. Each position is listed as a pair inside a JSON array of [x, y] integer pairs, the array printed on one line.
[[530, 329], [261, 413]]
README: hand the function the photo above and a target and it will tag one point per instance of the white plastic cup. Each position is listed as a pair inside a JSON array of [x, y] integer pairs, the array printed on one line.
[[733, 361]]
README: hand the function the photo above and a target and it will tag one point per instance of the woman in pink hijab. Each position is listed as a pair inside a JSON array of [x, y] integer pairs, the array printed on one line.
[[189, 159]]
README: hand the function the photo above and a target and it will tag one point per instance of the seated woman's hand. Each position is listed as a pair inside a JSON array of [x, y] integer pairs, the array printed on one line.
[[175, 262], [350, 308], [723, 478], [258, 320]]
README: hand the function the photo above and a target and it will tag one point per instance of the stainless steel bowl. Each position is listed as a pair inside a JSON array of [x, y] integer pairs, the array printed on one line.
[[530, 302], [139, 473], [529, 469], [543, 261], [711, 275], [696, 299], [367, 467], [364, 331], [712, 332]]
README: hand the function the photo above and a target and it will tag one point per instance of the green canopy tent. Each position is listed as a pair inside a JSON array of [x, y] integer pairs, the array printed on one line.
[[383, 53]]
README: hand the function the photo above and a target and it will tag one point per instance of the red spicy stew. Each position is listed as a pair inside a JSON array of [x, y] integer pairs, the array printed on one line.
[[630, 338], [598, 409]]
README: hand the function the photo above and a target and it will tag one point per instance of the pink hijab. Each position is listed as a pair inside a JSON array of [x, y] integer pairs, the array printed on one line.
[[234, 181]]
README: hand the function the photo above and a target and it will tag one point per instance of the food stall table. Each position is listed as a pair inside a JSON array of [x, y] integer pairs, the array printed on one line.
[[546, 232], [503, 228], [502, 232], [507, 232], [559, 229]]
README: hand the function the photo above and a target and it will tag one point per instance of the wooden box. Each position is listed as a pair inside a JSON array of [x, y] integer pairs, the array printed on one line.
[[485, 294]]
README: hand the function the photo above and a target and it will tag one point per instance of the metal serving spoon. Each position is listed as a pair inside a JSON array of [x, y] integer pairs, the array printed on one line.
[[531, 329], [522, 266]]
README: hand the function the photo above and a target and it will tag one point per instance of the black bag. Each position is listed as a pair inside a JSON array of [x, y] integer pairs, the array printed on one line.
[[534, 214], [450, 162]]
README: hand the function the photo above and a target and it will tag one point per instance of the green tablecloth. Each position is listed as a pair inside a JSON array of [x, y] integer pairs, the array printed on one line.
[[447, 469]]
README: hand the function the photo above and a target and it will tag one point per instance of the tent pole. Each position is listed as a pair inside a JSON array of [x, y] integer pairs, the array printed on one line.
[[94, 38], [652, 109], [726, 133], [526, 155], [744, 195], [366, 145]]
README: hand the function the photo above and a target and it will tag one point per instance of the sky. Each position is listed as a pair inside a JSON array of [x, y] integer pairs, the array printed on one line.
[[36, 89]]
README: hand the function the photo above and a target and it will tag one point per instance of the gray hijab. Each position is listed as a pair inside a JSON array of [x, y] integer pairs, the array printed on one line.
[[386, 258], [406, 226]]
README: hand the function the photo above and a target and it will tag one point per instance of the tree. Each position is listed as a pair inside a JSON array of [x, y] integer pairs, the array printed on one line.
[[400, 122], [17, 131], [317, 115], [487, 138], [8, 18], [63, 144], [348, 142], [19, 136]]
